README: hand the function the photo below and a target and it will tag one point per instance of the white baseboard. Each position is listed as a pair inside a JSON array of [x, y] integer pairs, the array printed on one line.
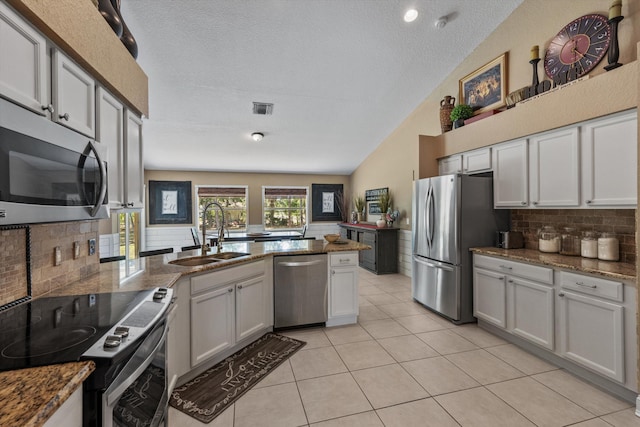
[[638, 406]]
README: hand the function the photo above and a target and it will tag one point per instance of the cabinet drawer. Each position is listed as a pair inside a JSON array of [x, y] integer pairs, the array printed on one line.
[[592, 285], [527, 271], [344, 259], [234, 274]]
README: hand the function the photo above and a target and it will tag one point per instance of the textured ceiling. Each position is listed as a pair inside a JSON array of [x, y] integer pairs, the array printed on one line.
[[343, 74]]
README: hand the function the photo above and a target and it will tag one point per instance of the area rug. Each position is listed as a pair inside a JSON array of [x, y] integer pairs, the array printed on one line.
[[210, 393]]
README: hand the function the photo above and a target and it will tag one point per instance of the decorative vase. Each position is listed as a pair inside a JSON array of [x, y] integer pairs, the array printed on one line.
[[358, 217], [126, 38], [446, 105], [110, 15], [381, 223]]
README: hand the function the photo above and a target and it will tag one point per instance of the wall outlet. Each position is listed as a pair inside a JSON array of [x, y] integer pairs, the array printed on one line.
[[407, 220], [57, 255], [76, 250], [92, 247]]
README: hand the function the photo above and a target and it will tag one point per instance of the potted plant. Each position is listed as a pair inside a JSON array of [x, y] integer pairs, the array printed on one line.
[[358, 202], [385, 205], [459, 113]]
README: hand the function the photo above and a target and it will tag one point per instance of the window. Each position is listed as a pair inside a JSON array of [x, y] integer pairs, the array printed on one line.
[[233, 199], [284, 207]]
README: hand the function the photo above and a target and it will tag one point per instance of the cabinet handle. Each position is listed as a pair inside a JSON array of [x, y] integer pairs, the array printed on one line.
[[343, 261], [509, 281], [333, 272], [560, 294], [130, 204], [588, 202], [501, 278], [523, 203], [535, 203], [586, 285], [64, 116], [48, 108], [507, 267], [239, 286], [230, 290]]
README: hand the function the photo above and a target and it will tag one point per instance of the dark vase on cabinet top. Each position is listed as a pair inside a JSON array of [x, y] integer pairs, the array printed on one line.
[[111, 16], [126, 38]]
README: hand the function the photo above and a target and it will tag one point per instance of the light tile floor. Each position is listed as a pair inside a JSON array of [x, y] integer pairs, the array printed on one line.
[[404, 366]]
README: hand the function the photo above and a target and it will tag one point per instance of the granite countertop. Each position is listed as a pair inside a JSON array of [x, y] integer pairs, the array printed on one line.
[[612, 270], [30, 396]]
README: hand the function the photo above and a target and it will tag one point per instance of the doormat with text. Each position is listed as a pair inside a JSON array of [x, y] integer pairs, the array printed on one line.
[[210, 393]]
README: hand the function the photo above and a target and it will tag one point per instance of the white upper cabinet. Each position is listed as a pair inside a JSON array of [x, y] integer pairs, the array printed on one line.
[[468, 162], [23, 62], [609, 161], [451, 164], [73, 95], [134, 169], [554, 168], [110, 133], [510, 174]]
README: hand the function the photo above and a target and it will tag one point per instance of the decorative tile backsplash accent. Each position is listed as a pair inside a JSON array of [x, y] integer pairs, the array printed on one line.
[[46, 276], [13, 265], [622, 222]]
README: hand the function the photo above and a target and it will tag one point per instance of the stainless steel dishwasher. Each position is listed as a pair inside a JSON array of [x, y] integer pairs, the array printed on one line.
[[300, 290]]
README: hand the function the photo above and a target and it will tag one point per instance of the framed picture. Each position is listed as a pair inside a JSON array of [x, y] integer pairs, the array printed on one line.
[[170, 202], [324, 202], [486, 88]]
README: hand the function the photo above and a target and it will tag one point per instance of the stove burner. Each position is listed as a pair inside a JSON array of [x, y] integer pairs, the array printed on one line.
[[53, 342]]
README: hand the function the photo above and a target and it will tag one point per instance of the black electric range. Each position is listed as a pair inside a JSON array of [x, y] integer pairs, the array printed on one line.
[[53, 330]]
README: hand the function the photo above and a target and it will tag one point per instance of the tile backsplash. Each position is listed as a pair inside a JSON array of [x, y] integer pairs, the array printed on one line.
[[45, 275], [13, 265], [622, 222]]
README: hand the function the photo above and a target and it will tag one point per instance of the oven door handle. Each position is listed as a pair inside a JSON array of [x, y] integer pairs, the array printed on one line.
[[113, 395], [103, 181]]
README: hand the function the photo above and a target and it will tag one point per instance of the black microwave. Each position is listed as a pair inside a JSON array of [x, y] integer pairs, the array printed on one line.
[[48, 173]]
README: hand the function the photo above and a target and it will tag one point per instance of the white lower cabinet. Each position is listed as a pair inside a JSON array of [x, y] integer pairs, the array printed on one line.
[[343, 288], [69, 414], [226, 307], [592, 328], [587, 320], [531, 311]]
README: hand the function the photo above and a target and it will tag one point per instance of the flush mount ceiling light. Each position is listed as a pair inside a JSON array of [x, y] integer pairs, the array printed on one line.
[[441, 22], [257, 136], [410, 15]]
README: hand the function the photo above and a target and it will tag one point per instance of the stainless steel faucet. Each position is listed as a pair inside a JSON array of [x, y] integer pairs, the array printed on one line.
[[205, 245]]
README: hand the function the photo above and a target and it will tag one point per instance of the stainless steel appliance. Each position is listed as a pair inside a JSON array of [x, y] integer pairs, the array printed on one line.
[[509, 239], [300, 290], [124, 333], [48, 172], [451, 213]]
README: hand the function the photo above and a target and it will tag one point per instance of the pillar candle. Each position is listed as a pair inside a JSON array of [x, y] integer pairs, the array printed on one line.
[[616, 9], [535, 52]]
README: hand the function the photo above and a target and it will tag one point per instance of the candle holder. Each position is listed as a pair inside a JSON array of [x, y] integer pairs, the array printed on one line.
[[614, 49], [534, 81]]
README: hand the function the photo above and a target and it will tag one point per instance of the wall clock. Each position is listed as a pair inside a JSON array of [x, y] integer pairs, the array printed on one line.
[[581, 44]]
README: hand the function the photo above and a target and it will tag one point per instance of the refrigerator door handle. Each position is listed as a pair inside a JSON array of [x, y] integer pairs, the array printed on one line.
[[427, 211], [431, 213], [432, 265]]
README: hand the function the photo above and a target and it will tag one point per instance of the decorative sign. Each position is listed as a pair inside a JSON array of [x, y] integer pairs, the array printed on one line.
[[169, 203], [374, 195], [324, 202], [328, 205]]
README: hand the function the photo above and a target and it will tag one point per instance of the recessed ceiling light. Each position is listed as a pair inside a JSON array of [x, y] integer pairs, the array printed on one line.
[[410, 15], [257, 136]]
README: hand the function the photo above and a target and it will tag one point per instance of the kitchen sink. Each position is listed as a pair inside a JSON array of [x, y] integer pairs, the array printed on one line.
[[208, 259]]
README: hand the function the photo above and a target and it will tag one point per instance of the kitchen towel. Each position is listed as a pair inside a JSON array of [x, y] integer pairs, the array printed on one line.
[[210, 393]]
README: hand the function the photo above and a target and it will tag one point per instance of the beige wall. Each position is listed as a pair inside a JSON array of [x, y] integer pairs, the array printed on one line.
[[255, 182], [397, 160]]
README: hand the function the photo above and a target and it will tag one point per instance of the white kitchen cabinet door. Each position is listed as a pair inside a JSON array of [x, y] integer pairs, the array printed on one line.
[[591, 333], [531, 311], [449, 165], [212, 323], [110, 132], [251, 307], [609, 161], [69, 414], [490, 297], [23, 62], [73, 95], [510, 175], [554, 169], [343, 288], [476, 161], [134, 161]]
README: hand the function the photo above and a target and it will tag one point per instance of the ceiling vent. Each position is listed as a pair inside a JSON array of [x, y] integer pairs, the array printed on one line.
[[262, 108]]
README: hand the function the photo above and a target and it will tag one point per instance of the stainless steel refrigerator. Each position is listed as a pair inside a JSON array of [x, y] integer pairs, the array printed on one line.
[[451, 214]]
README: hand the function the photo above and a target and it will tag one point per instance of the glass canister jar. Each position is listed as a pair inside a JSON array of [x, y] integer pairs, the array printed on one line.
[[589, 244], [570, 242], [548, 239], [608, 247]]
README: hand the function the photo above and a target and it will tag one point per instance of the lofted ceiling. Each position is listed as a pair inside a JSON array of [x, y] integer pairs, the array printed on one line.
[[342, 75]]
